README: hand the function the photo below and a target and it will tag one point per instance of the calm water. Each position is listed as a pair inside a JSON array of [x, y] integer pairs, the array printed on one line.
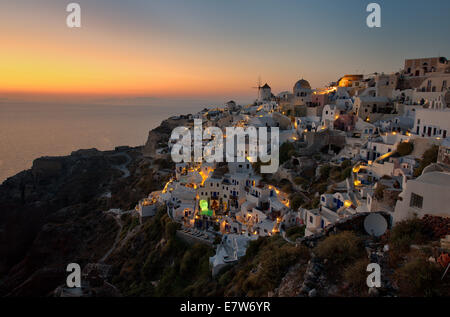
[[29, 131]]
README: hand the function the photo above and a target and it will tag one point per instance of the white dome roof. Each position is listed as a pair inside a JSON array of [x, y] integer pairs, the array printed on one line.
[[302, 84]]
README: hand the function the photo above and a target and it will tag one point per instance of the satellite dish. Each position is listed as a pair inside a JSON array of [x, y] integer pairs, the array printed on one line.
[[375, 225]]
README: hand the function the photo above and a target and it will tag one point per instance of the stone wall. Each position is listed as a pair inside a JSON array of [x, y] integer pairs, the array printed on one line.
[[190, 239], [353, 223]]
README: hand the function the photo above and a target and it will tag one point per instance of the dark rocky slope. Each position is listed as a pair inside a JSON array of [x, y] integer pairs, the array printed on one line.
[[53, 214]]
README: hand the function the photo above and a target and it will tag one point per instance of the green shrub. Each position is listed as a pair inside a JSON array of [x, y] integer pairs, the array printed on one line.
[[341, 248], [408, 232], [335, 174], [405, 148], [346, 173], [295, 232], [296, 202], [355, 275], [286, 151], [266, 262], [325, 171], [421, 278], [429, 157], [170, 229]]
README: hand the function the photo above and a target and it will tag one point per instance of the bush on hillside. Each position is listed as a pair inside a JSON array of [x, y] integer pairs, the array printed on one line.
[[429, 157], [421, 278], [341, 248], [295, 232], [408, 232], [296, 202], [405, 148], [355, 274], [266, 262], [287, 150]]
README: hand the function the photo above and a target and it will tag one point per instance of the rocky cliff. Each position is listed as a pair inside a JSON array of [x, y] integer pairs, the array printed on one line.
[[53, 214], [159, 136]]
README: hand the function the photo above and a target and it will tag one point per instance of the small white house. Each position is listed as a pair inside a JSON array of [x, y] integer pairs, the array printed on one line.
[[427, 194]]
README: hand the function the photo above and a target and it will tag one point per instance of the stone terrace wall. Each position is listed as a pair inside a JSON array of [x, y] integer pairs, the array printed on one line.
[[353, 223]]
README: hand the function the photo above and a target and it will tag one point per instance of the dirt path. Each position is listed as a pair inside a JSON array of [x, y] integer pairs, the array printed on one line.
[[116, 241], [123, 167]]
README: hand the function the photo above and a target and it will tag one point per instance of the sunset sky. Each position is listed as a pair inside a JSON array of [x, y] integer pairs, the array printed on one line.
[[206, 48]]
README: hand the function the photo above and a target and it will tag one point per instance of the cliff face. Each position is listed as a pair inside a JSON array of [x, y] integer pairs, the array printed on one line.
[[53, 215], [161, 134]]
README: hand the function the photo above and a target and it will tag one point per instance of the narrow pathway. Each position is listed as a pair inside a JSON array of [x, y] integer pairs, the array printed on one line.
[[123, 167], [116, 241]]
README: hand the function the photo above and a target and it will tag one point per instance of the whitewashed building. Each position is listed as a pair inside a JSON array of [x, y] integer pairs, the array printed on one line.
[[427, 194]]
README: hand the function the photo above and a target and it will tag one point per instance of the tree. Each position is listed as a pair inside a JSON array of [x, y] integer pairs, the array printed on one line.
[[296, 202], [429, 157], [287, 150], [405, 148], [420, 278], [325, 171]]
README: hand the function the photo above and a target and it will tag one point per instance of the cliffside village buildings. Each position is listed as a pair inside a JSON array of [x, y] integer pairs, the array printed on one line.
[[358, 118]]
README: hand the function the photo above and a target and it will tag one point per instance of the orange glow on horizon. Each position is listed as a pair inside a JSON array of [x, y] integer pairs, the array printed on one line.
[[45, 66], [54, 61]]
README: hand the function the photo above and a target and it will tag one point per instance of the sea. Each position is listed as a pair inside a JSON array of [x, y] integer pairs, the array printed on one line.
[[32, 130]]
